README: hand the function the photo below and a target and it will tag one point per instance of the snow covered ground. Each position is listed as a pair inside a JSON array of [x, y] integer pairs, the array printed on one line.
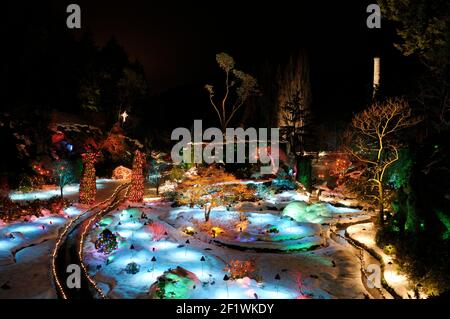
[[263, 229], [365, 234], [26, 248], [25, 256], [70, 191], [330, 271]]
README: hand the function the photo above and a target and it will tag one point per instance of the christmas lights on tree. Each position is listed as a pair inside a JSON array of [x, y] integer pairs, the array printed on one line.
[[137, 178], [88, 187], [106, 242]]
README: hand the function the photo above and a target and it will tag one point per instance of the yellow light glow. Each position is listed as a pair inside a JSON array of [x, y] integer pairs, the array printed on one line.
[[189, 230], [216, 231], [394, 277]]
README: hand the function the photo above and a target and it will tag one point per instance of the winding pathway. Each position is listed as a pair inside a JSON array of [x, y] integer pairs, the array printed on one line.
[[69, 246]]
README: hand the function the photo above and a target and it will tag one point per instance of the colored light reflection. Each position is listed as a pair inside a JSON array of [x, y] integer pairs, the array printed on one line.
[[48, 193]]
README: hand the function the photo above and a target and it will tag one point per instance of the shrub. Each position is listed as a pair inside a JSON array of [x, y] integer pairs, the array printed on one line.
[[283, 182], [11, 211], [210, 188], [240, 269], [157, 230], [106, 242], [176, 173]]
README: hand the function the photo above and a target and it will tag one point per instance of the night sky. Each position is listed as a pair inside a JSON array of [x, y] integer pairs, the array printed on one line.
[[176, 41]]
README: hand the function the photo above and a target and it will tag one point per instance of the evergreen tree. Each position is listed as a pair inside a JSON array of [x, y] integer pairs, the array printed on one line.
[[137, 178], [88, 186]]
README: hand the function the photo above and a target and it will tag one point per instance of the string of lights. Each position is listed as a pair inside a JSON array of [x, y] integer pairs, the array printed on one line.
[[62, 236], [88, 185], [361, 258], [137, 178], [83, 235]]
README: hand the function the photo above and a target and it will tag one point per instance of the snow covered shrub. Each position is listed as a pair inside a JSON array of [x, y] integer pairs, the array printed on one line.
[[157, 230], [174, 284], [240, 269], [106, 242], [303, 212], [30, 183], [10, 211], [191, 172], [283, 182], [262, 190], [56, 204], [168, 190], [176, 173], [132, 268]]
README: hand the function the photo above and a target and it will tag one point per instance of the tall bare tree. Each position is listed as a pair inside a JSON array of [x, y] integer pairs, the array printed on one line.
[[238, 87], [373, 139]]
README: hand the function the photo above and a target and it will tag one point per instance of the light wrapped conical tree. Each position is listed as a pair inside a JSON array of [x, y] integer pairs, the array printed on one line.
[[88, 186], [137, 178]]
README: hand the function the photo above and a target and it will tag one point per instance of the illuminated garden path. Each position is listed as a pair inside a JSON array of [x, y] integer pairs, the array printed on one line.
[[25, 261], [68, 246]]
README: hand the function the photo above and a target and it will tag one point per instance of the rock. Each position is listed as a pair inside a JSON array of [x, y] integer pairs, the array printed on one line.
[[174, 283]]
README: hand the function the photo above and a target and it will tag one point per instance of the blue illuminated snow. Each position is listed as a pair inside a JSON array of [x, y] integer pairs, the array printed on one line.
[[49, 193], [170, 254]]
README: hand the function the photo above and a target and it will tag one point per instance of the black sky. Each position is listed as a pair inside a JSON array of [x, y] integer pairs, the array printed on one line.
[[177, 40]]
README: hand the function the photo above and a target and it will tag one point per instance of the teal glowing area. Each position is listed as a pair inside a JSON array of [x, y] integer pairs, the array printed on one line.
[[318, 213]]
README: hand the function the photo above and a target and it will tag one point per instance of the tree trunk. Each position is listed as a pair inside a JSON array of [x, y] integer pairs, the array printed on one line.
[[207, 212], [61, 189], [381, 204]]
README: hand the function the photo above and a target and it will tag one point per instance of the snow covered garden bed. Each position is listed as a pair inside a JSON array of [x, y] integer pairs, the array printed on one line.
[[160, 251], [263, 230], [145, 253]]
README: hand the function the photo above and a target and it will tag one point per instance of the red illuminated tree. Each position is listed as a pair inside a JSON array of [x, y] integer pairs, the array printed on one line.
[[88, 186], [114, 143], [137, 178]]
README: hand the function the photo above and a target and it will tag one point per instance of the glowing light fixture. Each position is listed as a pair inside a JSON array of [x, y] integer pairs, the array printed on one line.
[[124, 116]]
